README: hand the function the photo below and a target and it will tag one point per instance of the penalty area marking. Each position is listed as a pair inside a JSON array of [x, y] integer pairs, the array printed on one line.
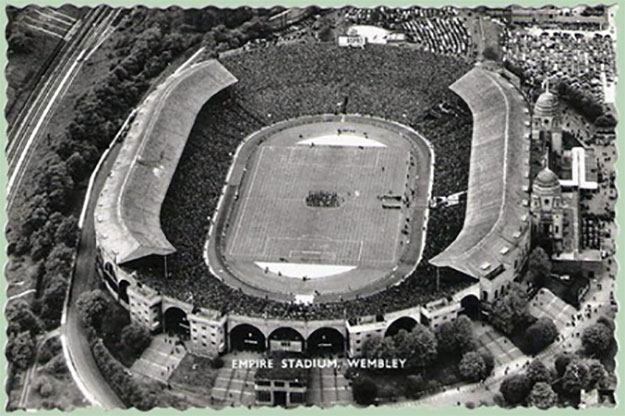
[[346, 140], [300, 270]]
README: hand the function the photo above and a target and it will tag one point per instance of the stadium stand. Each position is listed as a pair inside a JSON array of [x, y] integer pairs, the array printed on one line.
[[128, 221], [495, 232]]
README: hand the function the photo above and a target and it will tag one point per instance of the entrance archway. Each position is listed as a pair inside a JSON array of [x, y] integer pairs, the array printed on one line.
[[326, 341], [122, 290], [405, 322], [286, 339], [471, 306], [176, 321], [245, 337]]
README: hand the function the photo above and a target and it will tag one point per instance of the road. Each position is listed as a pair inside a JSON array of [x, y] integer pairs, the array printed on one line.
[[31, 122], [81, 362]]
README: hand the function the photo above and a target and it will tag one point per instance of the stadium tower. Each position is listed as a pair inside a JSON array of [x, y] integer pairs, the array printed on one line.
[[547, 121], [547, 209]]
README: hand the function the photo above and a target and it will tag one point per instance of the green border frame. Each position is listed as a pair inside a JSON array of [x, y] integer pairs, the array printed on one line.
[[491, 411]]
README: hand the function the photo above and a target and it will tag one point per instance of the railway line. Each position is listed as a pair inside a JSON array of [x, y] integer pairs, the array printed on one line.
[[31, 121]]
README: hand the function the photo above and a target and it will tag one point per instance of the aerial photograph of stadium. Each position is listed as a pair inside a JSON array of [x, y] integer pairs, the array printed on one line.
[[309, 206]]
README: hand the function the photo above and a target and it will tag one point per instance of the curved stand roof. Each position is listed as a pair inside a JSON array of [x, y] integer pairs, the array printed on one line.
[[497, 208], [127, 217]]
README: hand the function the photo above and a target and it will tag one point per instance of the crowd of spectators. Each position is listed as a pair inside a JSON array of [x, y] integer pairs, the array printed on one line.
[[585, 61], [434, 30], [289, 81]]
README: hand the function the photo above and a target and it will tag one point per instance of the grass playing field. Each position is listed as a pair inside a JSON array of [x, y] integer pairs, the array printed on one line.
[[271, 239], [275, 223]]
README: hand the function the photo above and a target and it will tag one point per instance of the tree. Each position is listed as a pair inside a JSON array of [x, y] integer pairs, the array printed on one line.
[[515, 388], [472, 366], [539, 266], [463, 328], [52, 301], [537, 372], [364, 390], [136, 338], [575, 377], [67, 232], [596, 374], [92, 307], [59, 261], [510, 309], [76, 166], [561, 362], [421, 349], [446, 338], [540, 334], [542, 396], [20, 350], [371, 346], [21, 318], [596, 340], [489, 362], [414, 385], [35, 213]]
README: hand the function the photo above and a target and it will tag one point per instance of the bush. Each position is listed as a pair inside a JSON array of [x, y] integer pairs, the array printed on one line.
[[364, 390]]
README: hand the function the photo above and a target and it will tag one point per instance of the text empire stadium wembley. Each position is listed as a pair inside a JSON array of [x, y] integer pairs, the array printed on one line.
[[363, 363]]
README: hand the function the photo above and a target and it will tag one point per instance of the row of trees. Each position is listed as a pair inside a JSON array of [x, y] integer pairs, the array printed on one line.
[[422, 348], [99, 315], [545, 387], [44, 229]]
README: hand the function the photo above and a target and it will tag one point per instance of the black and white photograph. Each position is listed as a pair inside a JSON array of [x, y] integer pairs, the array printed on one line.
[[311, 206]]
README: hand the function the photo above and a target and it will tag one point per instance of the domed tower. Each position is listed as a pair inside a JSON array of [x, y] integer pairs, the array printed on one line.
[[547, 121], [546, 208]]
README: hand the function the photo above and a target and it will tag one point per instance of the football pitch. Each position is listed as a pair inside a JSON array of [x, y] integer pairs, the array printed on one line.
[[274, 223], [328, 206]]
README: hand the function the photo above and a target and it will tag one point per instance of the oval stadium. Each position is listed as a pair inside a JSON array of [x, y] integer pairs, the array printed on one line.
[[306, 197]]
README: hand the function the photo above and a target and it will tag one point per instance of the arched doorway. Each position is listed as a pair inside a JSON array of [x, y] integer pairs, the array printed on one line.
[[122, 290], [471, 306], [176, 321], [405, 322], [326, 341], [286, 339], [245, 337]]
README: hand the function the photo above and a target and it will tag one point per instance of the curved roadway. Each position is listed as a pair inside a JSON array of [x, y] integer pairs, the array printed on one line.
[[84, 368]]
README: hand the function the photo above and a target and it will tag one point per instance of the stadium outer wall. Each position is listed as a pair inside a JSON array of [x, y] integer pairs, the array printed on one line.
[[211, 332]]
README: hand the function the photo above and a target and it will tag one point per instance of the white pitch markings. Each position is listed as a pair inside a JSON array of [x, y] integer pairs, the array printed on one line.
[[251, 187]]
